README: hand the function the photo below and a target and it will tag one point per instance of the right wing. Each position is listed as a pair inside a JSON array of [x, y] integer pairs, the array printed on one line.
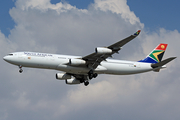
[[94, 59]]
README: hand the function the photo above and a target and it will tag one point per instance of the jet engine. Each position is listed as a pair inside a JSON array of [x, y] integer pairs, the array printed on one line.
[[63, 76], [73, 81], [103, 50], [77, 61]]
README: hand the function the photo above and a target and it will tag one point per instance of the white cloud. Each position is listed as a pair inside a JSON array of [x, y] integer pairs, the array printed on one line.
[[22, 102], [45, 5], [118, 7], [62, 28]]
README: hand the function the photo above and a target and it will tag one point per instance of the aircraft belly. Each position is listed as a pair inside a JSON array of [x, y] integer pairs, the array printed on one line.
[[72, 69]]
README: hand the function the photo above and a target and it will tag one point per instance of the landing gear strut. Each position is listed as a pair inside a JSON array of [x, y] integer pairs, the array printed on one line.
[[20, 67]]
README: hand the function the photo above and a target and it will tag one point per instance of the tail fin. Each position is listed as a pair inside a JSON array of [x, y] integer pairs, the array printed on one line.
[[156, 55]]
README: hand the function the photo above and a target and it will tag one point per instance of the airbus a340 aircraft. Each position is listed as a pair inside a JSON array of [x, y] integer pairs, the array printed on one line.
[[79, 69]]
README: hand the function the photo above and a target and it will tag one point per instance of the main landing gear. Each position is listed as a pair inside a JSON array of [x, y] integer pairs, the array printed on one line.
[[91, 75], [86, 83], [20, 67]]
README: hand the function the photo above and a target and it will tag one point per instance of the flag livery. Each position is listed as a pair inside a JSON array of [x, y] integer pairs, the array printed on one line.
[[156, 55]]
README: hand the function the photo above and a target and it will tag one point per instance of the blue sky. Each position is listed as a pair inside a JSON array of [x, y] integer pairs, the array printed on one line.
[[6, 22], [154, 14], [157, 13]]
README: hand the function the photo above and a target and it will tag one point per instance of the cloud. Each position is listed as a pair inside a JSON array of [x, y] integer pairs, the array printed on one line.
[[43, 5], [63, 28], [118, 7]]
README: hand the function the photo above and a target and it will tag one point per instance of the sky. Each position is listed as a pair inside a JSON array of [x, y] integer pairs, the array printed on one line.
[[76, 28], [154, 14]]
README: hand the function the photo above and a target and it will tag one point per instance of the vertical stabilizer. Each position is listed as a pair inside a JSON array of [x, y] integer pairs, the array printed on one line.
[[156, 55]]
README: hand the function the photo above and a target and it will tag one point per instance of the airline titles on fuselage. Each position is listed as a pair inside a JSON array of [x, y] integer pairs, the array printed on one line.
[[38, 54]]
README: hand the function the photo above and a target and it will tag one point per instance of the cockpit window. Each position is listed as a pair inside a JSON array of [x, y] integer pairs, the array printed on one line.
[[10, 54]]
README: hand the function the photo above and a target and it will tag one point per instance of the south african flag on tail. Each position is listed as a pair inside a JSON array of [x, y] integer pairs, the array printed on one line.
[[156, 55]]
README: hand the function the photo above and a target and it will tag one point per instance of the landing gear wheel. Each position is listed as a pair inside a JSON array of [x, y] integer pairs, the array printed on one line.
[[86, 83], [95, 75], [81, 81], [20, 67], [20, 70], [92, 75]]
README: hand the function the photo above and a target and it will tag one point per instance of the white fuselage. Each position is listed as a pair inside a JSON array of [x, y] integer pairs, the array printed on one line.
[[60, 62]]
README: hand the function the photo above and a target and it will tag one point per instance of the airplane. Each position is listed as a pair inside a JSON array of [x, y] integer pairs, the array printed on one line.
[[78, 69]]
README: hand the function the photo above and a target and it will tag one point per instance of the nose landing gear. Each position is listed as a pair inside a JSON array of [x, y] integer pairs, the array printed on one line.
[[21, 70]]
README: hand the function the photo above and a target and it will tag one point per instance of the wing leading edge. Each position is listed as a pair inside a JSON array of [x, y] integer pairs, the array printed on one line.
[[94, 59]]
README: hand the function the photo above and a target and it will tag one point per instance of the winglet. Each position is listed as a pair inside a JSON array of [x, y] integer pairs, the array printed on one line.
[[162, 62], [137, 33]]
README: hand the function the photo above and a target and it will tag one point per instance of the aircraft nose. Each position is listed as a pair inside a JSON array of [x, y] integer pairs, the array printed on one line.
[[5, 58], [9, 58]]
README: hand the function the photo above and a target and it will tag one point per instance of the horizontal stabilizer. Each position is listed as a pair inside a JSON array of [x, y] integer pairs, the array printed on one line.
[[162, 62]]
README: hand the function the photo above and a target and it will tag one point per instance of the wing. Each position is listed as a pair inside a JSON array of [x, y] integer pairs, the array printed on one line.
[[94, 59]]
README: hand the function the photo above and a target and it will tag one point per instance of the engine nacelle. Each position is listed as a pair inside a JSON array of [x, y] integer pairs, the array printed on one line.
[[103, 50], [77, 62], [63, 76], [72, 81]]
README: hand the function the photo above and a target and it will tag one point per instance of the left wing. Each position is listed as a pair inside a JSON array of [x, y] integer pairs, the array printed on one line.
[[101, 53]]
